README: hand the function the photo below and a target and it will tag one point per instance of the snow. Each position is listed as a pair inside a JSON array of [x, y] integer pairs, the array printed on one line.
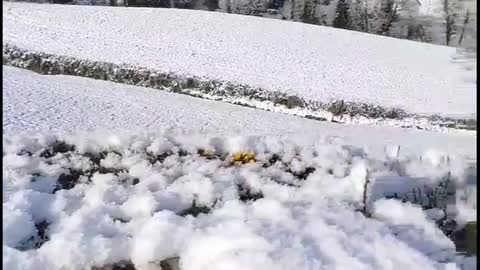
[[398, 215], [18, 225], [134, 213], [313, 62], [96, 174], [63, 104], [299, 224]]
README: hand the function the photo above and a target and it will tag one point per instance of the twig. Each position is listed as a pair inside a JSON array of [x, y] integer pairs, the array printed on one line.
[[365, 187]]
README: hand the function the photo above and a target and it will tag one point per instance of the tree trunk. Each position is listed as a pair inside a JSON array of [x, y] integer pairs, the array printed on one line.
[[366, 15], [292, 10], [229, 10], [465, 22], [448, 22]]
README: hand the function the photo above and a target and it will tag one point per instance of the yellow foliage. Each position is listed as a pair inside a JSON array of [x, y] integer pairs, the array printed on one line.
[[243, 158]]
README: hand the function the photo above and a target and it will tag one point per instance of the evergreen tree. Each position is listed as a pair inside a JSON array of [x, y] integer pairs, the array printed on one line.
[[342, 19]]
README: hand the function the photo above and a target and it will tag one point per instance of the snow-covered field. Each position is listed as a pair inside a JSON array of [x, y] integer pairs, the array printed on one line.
[[105, 199], [313, 62], [99, 174], [46, 104]]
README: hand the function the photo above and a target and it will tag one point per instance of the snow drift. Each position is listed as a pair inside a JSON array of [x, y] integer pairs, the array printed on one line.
[[140, 199]]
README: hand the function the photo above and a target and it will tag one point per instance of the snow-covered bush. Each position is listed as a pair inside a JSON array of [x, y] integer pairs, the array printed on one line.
[[241, 94]]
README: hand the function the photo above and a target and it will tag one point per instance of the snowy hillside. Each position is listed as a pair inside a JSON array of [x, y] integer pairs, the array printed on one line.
[[312, 62]]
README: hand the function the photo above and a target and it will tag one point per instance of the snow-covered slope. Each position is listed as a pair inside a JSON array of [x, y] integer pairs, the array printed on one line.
[[39, 103], [313, 62]]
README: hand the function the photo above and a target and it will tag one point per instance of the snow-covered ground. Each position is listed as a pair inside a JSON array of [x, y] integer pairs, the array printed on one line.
[[313, 62], [301, 224], [97, 173], [45, 104], [118, 190], [100, 200]]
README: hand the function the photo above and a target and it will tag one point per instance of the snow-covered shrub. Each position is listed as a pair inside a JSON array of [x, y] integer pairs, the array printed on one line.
[[334, 110]]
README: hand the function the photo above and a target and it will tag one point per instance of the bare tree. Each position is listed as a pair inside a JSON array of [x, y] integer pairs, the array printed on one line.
[[467, 42], [465, 23], [450, 16], [366, 15], [387, 14]]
